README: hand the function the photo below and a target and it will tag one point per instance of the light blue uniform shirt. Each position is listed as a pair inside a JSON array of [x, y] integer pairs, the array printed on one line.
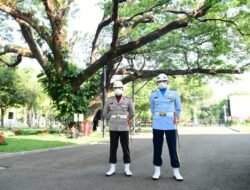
[[169, 102]]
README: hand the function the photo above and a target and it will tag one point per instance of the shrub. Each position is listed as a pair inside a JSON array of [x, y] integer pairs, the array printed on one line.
[[232, 121], [43, 131], [53, 131], [247, 120], [26, 132], [2, 141], [17, 132]]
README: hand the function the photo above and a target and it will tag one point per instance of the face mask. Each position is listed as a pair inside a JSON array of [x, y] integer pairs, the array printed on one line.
[[162, 85], [118, 92]]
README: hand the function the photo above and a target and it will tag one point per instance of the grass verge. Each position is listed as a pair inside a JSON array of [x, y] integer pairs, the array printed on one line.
[[21, 143]]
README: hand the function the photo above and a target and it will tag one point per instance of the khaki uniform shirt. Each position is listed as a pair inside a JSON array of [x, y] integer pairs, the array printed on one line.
[[117, 114]]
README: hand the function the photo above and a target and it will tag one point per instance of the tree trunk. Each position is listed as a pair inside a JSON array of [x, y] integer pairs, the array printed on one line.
[[29, 117], [96, 104], [2, 117]]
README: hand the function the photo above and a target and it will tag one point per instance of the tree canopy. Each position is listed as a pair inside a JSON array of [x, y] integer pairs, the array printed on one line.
[[138, 39]]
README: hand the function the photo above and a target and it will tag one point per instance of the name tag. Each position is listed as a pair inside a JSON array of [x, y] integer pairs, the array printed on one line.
[[125, 106]]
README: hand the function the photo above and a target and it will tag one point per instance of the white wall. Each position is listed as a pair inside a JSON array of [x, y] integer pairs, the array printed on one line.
[[240, 105]]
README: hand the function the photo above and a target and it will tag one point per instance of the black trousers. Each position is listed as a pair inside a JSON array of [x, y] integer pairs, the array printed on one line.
[[171, 137], [124, 139]]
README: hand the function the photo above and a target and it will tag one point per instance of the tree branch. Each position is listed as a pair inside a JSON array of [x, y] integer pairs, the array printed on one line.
[[18, 60], [27, 34], [58, 36], [175, 11], [105, 21], [133, 45], [176, 24], [245, 66], [148, 74], [116, 26], [227, 21], [49, 10], [18, 50], [144, 19], [150, 10], [111, 70], [64, 9], [28, 17], [143, 12]]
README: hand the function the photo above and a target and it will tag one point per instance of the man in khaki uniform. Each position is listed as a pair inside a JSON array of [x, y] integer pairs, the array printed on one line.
[[118, 110]]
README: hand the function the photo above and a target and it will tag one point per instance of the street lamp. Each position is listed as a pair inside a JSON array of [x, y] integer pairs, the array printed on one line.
[[103, 98]]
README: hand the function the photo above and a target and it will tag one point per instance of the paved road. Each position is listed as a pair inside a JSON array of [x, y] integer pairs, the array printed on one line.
[[211, 158]]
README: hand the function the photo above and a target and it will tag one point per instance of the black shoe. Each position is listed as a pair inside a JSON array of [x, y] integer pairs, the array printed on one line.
[[128, 175], [179, 180], [156, 178], [108, 175]]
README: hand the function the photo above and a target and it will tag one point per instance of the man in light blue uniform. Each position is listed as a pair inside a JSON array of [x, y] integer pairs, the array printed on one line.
[[165, 106]]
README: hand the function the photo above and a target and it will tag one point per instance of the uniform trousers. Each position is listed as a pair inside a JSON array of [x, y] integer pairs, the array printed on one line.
[[171, 136], [114, 140]]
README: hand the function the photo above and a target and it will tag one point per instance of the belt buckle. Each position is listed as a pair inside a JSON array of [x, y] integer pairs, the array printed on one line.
[[162, 114], [117, 116]]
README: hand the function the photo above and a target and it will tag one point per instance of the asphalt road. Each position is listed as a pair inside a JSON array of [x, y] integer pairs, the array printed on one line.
[[211, 159]]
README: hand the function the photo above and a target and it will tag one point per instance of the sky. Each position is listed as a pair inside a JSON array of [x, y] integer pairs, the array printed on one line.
[[89, 16], [222, 90]]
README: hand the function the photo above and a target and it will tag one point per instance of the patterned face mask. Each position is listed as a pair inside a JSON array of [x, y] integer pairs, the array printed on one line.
[[162, 84]]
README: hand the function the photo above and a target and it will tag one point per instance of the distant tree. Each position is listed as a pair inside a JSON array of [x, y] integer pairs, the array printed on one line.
[[213, 113], [192, 92], [10, 93], [36, 99], [143, 89], [19, 88]]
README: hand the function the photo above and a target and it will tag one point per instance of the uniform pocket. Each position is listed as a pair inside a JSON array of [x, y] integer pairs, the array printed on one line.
[[169, 120], [123, 122], [156, 102], [156, 120], [111, 107], [112, 122]]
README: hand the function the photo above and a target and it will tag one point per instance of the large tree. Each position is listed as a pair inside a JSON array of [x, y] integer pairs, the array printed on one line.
[[139, 39]]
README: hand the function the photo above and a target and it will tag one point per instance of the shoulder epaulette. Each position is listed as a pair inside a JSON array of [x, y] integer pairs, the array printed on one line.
[[172, 90], [127, 97]]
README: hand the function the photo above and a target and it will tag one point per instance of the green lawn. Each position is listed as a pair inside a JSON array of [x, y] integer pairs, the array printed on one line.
[[18, 143]]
